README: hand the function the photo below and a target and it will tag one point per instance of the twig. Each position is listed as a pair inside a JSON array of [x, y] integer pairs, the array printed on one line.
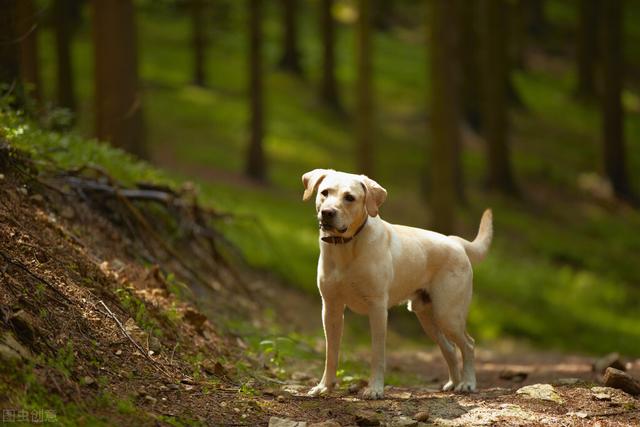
[[35, 276], [126, 334]]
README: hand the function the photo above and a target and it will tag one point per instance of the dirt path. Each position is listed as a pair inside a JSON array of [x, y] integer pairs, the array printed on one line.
[[572, 399]]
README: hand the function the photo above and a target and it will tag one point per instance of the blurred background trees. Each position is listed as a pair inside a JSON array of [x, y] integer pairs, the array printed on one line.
[[531, 107], [473, 66]]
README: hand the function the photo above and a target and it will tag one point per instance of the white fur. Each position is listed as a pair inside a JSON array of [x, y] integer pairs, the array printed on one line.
[[385, 265]]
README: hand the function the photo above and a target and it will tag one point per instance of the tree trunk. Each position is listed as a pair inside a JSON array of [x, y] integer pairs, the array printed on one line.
[[9, 57], [118, 98], [364, 95], [290, 60], [328, 84], [494, 108], [256, 165], [27, 31], [198, 42], [63, 12], [383, 14], [612, 113], [587, 49], [444, 124], [469, 62], [537, 19]]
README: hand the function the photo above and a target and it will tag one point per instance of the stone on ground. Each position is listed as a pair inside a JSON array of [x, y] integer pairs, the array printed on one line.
[[540, 391]]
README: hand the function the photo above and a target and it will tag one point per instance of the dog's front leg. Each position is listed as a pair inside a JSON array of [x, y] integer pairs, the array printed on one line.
[[378, 324], [332, 321]]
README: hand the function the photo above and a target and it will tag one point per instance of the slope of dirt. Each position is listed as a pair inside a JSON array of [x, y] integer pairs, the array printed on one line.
[[99, 326]]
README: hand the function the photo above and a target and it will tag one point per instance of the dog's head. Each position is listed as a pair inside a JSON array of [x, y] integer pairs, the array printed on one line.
[[343, 200]]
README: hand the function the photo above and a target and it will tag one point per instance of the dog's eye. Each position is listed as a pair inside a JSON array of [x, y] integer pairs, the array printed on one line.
[[349, 198], [325, 193]]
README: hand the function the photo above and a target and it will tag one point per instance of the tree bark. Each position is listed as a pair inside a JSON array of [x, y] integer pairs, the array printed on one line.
[[118, 98], [290, 59], [444, 124], [469, 62], [63, 12], [27, 32], [587, 48], [9, 57], [383, 14], [494, 108], [328, 84], [198, 42], [612, 113], [364, 95], [256, 165]]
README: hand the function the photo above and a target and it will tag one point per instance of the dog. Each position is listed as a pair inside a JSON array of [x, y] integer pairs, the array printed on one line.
[[370, 265]]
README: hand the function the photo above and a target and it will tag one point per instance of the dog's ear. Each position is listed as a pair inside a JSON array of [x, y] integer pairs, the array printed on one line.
[[375, 195], [311, 180]]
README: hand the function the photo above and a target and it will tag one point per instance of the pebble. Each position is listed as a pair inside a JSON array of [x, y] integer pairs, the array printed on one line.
[[421, 416]]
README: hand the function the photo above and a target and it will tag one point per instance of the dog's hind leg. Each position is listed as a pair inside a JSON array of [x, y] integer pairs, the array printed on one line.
[[423, 310], [450, 311]]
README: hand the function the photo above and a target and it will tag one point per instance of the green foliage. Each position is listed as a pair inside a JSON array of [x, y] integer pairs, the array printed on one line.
[[561, 272]]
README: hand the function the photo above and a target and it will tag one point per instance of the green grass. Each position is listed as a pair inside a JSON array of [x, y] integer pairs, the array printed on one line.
[[563, 269]]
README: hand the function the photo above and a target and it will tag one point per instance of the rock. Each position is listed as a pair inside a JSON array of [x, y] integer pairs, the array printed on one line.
[[516, 376], [328, 423], [37, 199], [281, 398], [154, 344], [611, 360], [601, 393], [24, 326], [422, 416], [11, 349], [284, 422], [151, 399], [355, 387], [403, 422], [541, 391], [88, 381], [367, 419], [173, 386], [621, 380]]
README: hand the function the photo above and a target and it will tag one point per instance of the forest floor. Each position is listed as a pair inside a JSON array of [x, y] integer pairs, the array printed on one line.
[[98, 327]]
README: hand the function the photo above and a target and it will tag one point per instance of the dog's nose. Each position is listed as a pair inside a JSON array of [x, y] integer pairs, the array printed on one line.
[[328, 214]]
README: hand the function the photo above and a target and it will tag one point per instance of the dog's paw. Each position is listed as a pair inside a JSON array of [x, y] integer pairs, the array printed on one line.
[[319, 390], [466, 387], [372, 393], [450, 385]]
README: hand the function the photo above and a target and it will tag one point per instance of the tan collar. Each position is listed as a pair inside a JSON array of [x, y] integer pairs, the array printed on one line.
[[339, 240]]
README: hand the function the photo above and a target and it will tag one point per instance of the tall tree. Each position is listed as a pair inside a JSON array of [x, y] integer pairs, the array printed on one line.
[[256, 164], [612, 113], [364, 90], [63, 21], [328, 84], [198, 41], [383, 14], [445, 120], [290, 59], [494, 105], [9, 58], [587, 48], [118, 98], [467, 48], [27, 30]]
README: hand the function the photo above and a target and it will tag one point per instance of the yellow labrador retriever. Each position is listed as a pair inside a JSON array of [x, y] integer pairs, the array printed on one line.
[[369, 265]]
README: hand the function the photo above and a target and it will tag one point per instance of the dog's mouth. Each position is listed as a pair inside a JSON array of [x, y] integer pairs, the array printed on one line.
[[325, 226]]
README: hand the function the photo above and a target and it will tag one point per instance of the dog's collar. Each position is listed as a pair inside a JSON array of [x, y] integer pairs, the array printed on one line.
[[339, 240]]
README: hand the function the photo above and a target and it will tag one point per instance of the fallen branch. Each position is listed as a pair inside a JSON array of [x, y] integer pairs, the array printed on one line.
[[130, 338], [24, 268]]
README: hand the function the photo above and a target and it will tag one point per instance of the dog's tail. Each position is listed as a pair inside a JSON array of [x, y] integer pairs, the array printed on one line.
[[477, 250]]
